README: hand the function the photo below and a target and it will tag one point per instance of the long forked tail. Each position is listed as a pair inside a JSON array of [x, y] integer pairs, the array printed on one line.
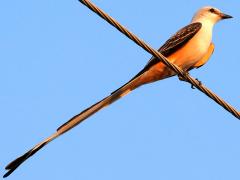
[[128, 87], [17, 162]]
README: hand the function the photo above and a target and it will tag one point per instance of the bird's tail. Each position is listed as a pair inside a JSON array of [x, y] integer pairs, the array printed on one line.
[[125, 89], [17, 162]]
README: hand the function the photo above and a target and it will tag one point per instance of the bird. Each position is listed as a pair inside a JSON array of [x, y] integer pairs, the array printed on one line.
[[189, 48]]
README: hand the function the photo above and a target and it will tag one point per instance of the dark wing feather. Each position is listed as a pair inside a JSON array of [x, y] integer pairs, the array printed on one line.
[[180, 38], [174, 43]]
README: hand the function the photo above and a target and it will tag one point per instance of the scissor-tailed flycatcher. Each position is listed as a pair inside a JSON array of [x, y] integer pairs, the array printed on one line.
[[189, 48]]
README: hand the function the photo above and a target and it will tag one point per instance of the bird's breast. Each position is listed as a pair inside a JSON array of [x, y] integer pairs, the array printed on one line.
[[193, 50]]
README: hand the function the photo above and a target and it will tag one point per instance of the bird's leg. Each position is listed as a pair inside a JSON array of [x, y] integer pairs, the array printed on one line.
[[183, 79], [199, 83], [186, 73]]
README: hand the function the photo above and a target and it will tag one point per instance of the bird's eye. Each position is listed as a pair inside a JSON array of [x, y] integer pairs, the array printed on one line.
[[212, 10]]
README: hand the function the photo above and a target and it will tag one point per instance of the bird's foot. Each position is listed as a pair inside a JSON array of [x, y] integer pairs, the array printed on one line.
[[186, 73], [199, 83]]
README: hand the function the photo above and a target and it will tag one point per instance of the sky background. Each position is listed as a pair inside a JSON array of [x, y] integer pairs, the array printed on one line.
[[58, 58]]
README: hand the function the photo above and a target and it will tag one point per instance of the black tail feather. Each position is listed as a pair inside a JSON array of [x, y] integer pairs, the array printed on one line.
[[17, 162]]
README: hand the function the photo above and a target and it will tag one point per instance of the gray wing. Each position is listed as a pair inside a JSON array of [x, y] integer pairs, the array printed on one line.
[[180, 38], [174, 43]]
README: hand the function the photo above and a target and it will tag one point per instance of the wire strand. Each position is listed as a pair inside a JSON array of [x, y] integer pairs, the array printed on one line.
[[160, 57]]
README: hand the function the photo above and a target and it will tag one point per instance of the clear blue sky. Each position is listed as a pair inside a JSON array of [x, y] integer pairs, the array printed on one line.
[[57, 58]]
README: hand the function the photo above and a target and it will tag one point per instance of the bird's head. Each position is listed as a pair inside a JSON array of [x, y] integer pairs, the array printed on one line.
[[210, 14]]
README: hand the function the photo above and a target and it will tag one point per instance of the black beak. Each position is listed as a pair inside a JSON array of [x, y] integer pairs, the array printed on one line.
[[225, 16]]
